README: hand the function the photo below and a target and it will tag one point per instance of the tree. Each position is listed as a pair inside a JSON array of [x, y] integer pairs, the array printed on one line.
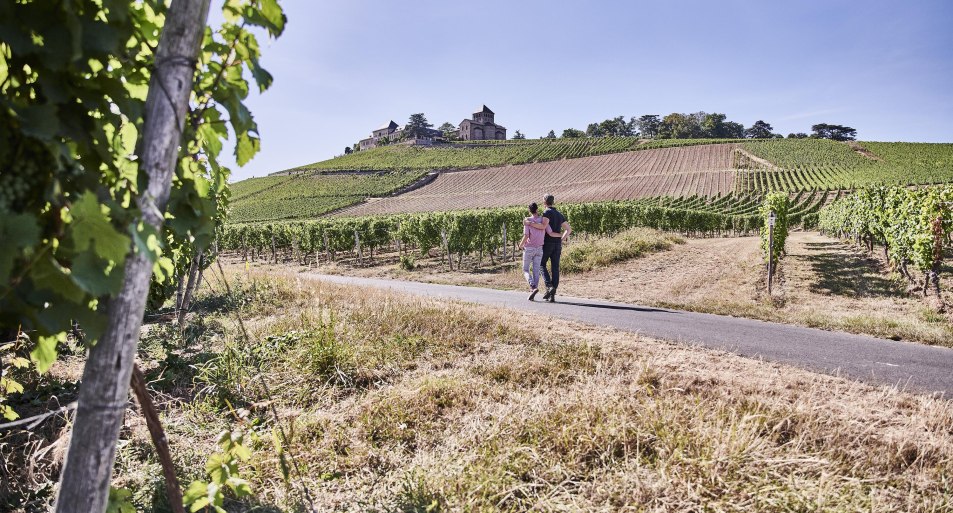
[[91, 181], [715, 126], [519, 135], [347, 150], [833, 132], [680, 126], [613, 127], [760, 130], [648, 125], [417, 125], [551, 134], [449, 131], [572, 133], [799, 135]]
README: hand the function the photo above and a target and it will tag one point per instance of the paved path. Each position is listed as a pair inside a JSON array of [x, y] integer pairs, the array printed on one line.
[[909, 365]]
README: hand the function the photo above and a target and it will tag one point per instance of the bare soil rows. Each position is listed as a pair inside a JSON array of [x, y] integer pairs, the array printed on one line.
[[701, 170]]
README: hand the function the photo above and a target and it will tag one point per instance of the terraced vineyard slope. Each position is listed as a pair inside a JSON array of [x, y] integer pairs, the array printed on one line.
[[274, 198], [811, 164], [483, 154], [681, 171]]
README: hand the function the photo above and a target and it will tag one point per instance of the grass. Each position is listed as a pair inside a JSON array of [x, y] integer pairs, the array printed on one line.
[[395, 403], [601, 252]]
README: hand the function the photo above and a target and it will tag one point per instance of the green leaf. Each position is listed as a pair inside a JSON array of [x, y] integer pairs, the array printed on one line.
[[94, 276], [8, 412], [245, 148], [196, 496], [40, 121], [44, 354], [92, 229], [17, 231], [272, 12]]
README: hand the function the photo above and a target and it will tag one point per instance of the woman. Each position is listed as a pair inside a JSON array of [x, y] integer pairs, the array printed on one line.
[[532, 246]]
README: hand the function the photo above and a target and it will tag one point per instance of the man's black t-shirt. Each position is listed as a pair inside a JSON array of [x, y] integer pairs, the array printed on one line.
[[556, 221]]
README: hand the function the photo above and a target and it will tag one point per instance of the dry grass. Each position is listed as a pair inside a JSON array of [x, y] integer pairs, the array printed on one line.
[[396, 403], [401, 403], [598, 253]]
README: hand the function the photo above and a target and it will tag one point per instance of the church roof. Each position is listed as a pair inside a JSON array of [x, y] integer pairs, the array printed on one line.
[[484, 108], [387, 125]]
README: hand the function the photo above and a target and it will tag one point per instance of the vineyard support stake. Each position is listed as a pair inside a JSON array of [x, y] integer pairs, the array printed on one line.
[[771, 219]]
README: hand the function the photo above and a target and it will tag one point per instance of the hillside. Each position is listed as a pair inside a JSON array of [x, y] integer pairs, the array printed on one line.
[[582, 170], [273, 198], [482, 154]]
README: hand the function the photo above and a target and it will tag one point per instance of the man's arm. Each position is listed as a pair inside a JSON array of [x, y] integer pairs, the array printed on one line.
[[539, 226], [566, 230]]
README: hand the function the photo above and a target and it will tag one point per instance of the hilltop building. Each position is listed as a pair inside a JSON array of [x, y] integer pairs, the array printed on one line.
[[481, 126]]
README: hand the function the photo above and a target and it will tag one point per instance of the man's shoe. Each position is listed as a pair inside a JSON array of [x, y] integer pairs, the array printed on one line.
[[548, 294], [552, 298], [533, 294]]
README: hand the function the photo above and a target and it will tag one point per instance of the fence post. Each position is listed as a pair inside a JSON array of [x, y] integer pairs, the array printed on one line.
[[504, 241], [357, 248]]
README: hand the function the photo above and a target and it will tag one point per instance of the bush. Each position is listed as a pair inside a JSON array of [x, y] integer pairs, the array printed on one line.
[[407, 262]]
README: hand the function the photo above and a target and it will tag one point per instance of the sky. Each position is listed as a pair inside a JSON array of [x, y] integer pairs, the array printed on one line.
[[343, 68]]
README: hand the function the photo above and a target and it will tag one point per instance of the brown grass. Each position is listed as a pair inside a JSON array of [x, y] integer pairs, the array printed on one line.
[[396, 403], [477, 409]]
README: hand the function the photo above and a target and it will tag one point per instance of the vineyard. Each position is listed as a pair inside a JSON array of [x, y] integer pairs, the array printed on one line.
[[493, 233], [912, 226], [482, 154], [683, 171], [274, 198], [812, 164], [610, 172]]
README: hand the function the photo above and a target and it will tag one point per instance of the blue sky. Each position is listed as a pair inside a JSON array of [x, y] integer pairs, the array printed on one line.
[[343, 68]]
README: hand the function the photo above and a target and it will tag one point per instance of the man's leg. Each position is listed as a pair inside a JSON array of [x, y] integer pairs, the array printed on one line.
[[537, 263], [547, 253], [554, 258], [527, 260]]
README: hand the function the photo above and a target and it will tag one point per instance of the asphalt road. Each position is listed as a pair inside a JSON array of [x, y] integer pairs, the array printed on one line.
[[911, 366]]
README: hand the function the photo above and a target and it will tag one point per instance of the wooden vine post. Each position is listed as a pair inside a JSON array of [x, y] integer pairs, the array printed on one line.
[[104, 392], [771, 220]]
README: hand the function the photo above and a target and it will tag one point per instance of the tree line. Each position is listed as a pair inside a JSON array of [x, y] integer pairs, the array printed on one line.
[[698, 125]]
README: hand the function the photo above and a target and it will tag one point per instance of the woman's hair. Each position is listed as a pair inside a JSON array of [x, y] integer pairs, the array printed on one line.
[[533, 207]]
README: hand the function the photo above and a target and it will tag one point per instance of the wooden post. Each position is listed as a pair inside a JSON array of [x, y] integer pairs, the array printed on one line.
[[770, 251], [446, 249], [504, 242], [104, 392], [357, 248], [148, 408], [327, 247]]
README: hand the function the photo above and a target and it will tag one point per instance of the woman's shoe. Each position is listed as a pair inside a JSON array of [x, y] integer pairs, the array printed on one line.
[[533, 294]]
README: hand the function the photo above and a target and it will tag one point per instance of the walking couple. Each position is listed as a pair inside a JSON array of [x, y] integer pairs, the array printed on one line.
[[543, 236]]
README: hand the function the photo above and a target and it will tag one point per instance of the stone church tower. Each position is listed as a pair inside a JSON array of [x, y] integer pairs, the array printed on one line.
[[481, 127]]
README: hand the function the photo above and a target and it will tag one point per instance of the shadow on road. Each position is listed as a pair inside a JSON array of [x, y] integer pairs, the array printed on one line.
[[615, 307]]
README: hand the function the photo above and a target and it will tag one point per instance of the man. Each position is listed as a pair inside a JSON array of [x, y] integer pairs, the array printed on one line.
[[553, 221]]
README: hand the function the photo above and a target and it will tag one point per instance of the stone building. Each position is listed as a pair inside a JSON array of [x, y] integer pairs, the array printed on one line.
[[388, 130], [481, 127]]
